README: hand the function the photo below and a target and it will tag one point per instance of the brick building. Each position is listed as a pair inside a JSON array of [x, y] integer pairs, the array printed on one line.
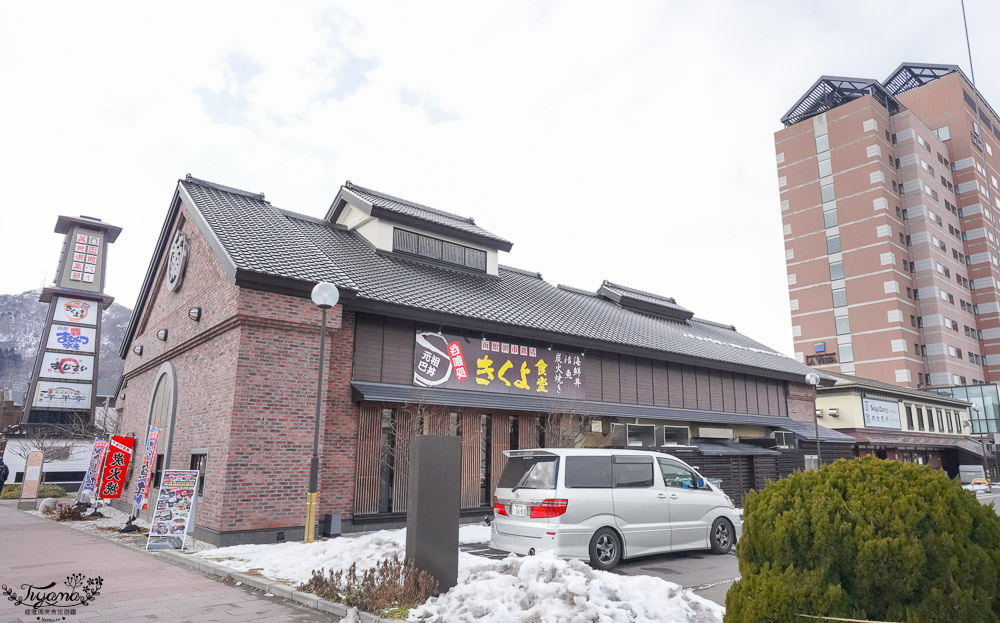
[[890, 200], [432, 335]]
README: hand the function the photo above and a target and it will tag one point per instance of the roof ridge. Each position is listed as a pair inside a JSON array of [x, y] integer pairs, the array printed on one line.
[[467, 219], [713, 323], [229, 189], [522, 271], [611, 284], [576, 290]]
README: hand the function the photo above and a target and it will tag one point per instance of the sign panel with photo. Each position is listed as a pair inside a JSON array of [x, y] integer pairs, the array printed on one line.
[[115, 467], [511, 367], [61, 395], [77, 311], [174, 510], [881, 413], [64, 366], [65, 337]]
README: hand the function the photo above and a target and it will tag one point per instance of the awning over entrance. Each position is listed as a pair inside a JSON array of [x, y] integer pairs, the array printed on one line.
[[731, 448], [905, 439], [385, 392]]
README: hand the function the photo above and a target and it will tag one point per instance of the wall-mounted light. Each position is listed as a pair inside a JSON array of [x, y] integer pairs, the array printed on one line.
[[161, 335], [194, 313], [137, 349]]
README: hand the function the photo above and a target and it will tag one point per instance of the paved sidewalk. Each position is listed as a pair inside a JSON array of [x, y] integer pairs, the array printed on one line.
[[138, 587]]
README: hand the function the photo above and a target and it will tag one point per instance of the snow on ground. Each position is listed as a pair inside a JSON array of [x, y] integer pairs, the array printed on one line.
[[294, 562], [552, 590], [513, 589]]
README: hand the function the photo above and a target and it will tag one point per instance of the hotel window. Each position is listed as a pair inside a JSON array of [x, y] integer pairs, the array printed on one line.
[[846, 353], [930, 419], [830, 218], [833, 244], [826, 193], [909, 417], [836, 271], [947, 414], [843, 325], [940, 420], [840, 297], [822, 143], [825, 168], [920, 418]]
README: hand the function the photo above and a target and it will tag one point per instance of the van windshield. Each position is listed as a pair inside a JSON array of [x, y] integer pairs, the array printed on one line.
[[529, 472]]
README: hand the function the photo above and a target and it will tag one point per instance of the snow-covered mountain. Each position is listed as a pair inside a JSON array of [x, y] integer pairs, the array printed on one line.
[[22, 318]]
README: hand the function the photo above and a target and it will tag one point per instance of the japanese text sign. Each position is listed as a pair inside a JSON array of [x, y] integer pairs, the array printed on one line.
[[481, 364], [142, 483], [881, 413], [96, 454], [119, 454]]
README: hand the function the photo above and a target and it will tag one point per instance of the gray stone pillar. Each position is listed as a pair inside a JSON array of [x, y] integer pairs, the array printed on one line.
[[433, 503]]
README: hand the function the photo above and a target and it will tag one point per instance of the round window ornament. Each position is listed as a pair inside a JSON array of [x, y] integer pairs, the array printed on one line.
[[177, 261]]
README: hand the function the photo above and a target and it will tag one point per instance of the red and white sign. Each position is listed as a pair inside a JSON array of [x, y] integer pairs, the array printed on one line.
[[457, 361], [115, 467]]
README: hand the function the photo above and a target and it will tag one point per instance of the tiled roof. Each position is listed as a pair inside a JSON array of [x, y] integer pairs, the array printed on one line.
[[259, 237], [409, 208]]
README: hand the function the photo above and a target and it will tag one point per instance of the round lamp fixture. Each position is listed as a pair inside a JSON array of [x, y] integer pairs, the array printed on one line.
[[812, 378], [325, 295]]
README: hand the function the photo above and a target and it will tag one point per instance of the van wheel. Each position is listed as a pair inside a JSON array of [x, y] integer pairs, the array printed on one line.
[[721, 536], [605, 549]]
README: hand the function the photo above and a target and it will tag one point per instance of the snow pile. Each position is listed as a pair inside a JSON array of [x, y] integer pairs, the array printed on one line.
[[552, 590], [294, 562]]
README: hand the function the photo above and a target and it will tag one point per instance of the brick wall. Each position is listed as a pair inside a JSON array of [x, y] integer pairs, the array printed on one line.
[[801, 402], [246, 391]]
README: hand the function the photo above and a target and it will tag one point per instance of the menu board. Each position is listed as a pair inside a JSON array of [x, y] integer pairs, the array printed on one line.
[[174, 509]]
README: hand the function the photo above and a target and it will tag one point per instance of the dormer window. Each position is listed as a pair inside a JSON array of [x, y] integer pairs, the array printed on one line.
[[404, 241]]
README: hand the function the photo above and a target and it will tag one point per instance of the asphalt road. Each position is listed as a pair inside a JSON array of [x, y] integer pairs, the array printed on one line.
[[706, 574]]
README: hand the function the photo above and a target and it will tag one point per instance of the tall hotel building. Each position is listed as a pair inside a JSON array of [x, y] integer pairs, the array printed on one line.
[[890, 200]]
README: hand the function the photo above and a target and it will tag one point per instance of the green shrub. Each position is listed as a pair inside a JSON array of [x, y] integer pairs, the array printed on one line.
[[867, 539], [389, 588], [13, 492]]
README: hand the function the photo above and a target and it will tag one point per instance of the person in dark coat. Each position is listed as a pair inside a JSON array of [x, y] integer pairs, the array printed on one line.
[[4, 471]]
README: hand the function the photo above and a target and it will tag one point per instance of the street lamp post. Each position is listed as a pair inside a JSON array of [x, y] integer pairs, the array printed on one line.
[[813, 379], [324, 295]]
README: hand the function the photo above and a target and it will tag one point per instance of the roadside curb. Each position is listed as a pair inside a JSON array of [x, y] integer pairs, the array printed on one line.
[[278, 589]]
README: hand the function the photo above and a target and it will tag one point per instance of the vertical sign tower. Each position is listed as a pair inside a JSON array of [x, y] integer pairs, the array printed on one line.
[[64, 379]]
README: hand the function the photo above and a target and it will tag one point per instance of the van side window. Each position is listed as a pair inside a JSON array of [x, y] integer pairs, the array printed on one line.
[[675, 475], [633, 473], [588, 472]]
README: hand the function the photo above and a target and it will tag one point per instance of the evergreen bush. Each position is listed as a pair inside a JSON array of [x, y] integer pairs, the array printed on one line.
[[867, 539], [13, 492]]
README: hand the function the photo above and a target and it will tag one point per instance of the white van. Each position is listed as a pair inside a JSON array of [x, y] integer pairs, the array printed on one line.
[[604, 505]]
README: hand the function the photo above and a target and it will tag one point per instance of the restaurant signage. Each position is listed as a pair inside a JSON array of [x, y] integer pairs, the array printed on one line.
[[493, 365], [115, 467], [96, 456], [141, 496], [173, 516], [881, 413]]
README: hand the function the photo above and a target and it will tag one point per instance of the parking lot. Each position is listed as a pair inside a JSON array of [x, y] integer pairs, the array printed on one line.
[[706, 574]]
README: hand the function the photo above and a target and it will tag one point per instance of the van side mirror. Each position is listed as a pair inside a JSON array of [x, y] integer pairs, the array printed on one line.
[[701, 483]]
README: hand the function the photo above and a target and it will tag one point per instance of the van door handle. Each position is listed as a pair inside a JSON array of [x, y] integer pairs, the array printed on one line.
[[673, 496], [662, 496]]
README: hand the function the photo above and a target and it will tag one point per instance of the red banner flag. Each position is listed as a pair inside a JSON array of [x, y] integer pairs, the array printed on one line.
[[119, 453]]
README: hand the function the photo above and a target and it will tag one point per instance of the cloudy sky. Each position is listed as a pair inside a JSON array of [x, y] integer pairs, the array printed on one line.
[[628, 141]]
